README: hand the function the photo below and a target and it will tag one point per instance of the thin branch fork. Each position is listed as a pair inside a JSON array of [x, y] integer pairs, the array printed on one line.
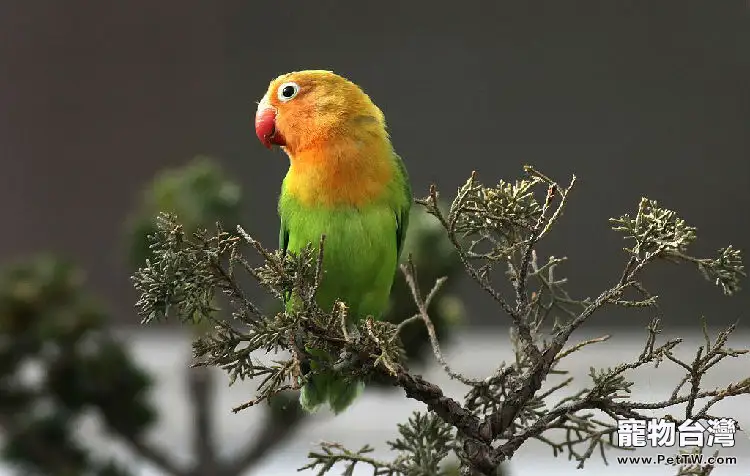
[[498, 422], [410, 274], [524, 330]]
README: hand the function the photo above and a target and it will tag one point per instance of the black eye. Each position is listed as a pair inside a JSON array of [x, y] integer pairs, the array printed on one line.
[[287, 91]]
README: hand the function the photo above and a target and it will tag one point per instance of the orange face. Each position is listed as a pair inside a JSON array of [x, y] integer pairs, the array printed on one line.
[[305, 108]]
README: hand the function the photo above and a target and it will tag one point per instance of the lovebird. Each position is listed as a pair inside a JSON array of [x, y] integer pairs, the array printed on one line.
[[345, 181]]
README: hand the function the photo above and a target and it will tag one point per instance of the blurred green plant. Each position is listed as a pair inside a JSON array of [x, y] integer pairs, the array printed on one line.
[[56, 364], [200, 193]]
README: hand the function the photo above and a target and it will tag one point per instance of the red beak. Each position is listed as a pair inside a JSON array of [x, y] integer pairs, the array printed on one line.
[[265, 126]]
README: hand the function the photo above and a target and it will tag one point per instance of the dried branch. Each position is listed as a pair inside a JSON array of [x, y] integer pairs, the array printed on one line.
[[410, 273], [492, 228]]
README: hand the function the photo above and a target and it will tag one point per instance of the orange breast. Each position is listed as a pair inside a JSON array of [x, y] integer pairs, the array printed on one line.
[[339, 176]]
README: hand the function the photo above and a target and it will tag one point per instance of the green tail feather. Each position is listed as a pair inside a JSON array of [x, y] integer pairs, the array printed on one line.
[[332, 389]]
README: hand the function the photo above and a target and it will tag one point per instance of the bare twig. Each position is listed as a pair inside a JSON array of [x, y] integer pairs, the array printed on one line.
[[410, 274]]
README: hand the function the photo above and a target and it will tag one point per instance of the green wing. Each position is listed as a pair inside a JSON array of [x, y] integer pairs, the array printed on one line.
[[283, 245], [403, 208], [283, 237]]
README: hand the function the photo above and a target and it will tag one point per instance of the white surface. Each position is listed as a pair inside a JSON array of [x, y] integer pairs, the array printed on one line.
[[372, 419]]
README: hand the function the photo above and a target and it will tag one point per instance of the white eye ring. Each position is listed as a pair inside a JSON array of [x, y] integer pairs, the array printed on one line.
[[287, 91]]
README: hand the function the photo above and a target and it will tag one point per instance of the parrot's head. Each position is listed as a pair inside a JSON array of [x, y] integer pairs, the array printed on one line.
[[307, 108]]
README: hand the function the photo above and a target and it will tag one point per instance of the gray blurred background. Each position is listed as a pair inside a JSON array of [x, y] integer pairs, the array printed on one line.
[[648, 98], [635, 98]]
